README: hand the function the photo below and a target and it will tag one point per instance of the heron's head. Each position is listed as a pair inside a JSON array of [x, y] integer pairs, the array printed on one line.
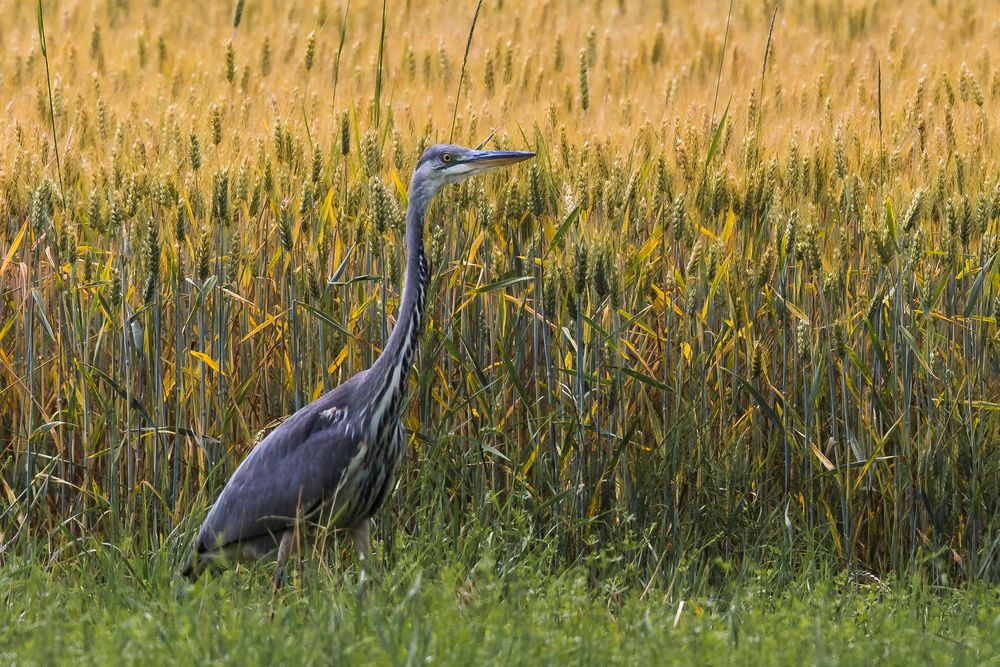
[[443, 164]]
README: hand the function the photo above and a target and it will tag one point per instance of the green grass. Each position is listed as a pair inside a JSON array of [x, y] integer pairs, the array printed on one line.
[[103, 607]]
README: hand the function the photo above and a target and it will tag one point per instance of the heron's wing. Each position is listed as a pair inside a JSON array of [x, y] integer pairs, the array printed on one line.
[[295, 468]]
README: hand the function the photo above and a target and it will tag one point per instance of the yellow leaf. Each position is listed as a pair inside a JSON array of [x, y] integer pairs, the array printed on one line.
[[791, 307], [207, 360], [6, 328], [236, 296], [727, 232], [821, 456], [338, 361], [548, 229], [531, 460], [592, 508], [831, 522], [475, 245], [327, 207], [651, 245], [257, 329], [338, 250], [400, 188], [9, 492], [686, 350], [187, 205], [13, 248]]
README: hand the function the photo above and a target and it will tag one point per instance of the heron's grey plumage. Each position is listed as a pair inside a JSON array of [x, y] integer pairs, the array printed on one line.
[[335, 460]]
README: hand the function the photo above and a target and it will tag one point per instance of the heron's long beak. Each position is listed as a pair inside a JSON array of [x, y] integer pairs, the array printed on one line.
[[491, 159]]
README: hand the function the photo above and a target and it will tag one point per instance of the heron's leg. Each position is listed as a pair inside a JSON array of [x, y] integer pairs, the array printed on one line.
[[192, 569], [362, 542], [362, 545], [284, 550]]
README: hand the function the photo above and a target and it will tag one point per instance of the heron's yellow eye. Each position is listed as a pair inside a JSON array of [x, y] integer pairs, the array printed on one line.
[[446, 158]]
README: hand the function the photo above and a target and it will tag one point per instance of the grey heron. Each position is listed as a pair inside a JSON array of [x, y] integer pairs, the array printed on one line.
[[334, 461]]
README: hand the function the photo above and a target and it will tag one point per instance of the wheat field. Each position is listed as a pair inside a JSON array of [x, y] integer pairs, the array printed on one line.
[[740, 311]]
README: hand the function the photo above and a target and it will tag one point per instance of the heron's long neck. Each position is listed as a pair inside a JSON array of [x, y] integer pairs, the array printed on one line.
[[397, 355]]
